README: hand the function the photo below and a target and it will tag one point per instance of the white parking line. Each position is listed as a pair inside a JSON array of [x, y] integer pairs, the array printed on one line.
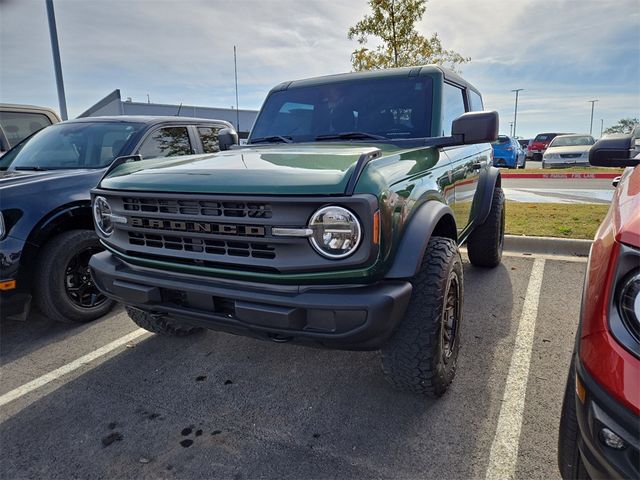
[[504, 449], [551, 256], [69, 367]]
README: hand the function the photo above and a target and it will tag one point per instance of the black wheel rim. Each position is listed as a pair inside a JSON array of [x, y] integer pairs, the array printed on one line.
[[451, 317], [78, 283]]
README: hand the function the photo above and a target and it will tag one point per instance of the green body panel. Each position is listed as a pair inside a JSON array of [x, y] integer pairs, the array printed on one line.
[[400, 178], [300, 169]]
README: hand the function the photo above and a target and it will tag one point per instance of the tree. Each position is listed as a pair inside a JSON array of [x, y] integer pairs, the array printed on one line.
[[392, 22], [624, 125]]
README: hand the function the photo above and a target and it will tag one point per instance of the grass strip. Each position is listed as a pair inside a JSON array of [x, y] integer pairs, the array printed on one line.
[[554, 219]]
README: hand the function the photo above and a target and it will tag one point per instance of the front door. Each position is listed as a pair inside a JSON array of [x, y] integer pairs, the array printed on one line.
[[466, 166]]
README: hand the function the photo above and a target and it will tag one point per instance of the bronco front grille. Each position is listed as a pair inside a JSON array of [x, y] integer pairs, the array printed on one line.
[[203, 245], [197, 207], [229, 231]]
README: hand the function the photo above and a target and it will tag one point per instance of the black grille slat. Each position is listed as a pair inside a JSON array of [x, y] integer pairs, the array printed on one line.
[[205, 208], [198, 245]]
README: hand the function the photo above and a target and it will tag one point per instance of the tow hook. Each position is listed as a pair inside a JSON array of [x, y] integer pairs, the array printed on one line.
[[276, 337]]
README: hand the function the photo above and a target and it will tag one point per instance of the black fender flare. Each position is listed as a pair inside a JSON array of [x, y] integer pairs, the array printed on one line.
[[488, 181], [44, 229], [416, 236]]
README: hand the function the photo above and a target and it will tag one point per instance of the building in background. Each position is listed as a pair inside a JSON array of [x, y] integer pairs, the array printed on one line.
[[112, 104]]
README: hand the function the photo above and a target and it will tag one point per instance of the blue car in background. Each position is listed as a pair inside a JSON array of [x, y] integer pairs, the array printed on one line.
[[508, 153]]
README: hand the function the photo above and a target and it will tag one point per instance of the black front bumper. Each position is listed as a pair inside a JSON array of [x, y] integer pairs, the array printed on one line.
[[600, 410], [357, 317]]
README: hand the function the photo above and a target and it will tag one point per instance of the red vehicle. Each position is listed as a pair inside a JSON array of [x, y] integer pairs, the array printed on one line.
[[539, 144], [600, 424]]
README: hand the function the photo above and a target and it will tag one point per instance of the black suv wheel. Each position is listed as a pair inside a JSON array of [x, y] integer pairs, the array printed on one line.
[[422, 355], [486, 241], [64, 289]]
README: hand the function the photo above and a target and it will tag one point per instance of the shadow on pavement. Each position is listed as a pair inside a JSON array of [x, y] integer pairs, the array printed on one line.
[[20, 338]]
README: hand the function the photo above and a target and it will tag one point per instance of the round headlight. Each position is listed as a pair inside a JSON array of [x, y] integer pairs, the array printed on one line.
[[336, 232], [630, 304], [102, 216]]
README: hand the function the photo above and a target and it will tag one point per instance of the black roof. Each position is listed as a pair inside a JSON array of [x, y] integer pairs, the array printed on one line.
[[418, 70]]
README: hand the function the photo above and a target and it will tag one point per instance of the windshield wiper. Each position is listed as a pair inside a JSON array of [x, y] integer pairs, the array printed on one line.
[[348, 135], [32, 168], [272, 139]]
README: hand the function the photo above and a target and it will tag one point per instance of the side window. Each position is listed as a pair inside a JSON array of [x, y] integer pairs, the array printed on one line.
[[452, 107], [209, 138], [18, 126], [167, 142], [475, 101]]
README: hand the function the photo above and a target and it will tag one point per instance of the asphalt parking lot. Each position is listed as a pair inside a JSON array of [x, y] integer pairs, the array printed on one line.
[[220, 406]]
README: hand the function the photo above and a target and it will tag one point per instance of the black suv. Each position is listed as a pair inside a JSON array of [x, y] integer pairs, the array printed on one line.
[[46, 228]]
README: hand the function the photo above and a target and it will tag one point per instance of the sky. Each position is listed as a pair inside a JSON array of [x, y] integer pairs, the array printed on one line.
[[563, 53]]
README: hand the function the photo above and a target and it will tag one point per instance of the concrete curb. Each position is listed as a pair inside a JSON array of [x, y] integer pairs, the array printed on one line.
[[560, 175], [547, 245]]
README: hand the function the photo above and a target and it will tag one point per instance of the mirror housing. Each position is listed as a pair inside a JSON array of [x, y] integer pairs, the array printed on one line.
[[470, 128], [227, 137], [616, 151], [120, 160], [476, 127]]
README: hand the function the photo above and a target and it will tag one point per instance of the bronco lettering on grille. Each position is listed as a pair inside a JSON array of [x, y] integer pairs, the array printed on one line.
[[198, 227]]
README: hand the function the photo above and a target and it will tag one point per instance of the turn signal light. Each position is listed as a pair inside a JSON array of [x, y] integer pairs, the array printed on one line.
[[580, 391], [376, 228], [7, 285]]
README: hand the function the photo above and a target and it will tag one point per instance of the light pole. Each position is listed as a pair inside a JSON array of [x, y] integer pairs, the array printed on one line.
[[515, 113], [55, 49], [593, 102], [235, 69]]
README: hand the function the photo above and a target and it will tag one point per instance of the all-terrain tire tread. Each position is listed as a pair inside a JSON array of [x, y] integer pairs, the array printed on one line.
[[484, 246], [159, 324], [409, 359]]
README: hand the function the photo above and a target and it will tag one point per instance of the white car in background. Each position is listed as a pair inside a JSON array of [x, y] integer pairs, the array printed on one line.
[[568, 151]]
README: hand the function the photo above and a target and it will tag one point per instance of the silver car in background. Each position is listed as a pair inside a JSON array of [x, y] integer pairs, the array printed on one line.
[[568, 151]]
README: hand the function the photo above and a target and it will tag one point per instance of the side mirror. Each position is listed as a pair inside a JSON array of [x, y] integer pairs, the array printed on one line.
[[120, 160], [476, 127], [226, 138], [615, 151]]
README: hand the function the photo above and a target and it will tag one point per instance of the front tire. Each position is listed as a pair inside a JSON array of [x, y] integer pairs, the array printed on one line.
[[486, 242], [569, 459], [422, 355], [63, 288], [159, 324]]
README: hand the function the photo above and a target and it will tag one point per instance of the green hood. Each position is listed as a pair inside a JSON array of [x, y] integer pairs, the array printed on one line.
[[293, 169]]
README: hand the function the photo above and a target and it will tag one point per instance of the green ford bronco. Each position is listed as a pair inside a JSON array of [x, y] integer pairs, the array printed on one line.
[[338, 225]]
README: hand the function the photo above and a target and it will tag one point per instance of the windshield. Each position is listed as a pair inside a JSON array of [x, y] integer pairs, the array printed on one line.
[[502, 140], [573, 141], [394, 108], [544, 137], [71, 145]]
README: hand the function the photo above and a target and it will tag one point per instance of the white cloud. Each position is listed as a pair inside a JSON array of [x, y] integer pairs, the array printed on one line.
[[562, 52]]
